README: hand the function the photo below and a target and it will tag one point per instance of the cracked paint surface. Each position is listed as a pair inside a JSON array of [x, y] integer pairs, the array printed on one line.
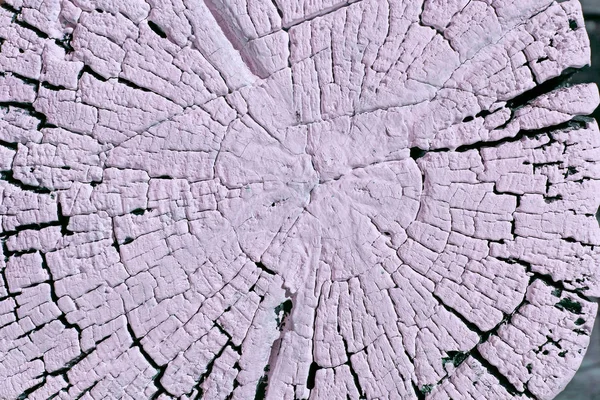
[[269, 199]]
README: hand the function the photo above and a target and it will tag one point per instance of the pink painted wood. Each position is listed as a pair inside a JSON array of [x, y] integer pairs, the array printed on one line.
[[324, 199]]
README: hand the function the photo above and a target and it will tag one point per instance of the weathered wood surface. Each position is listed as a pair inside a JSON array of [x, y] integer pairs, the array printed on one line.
[[380, 199]]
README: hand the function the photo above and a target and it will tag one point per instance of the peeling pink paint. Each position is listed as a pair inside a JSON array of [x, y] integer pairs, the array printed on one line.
[[299, 199]]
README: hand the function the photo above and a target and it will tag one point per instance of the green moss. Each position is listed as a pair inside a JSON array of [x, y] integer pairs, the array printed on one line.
[[426, 389], [455, 357], [261, 386], [569, 305], [282, 311]]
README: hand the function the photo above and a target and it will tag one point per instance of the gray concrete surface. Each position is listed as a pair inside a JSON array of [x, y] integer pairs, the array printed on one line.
[[591, 6]]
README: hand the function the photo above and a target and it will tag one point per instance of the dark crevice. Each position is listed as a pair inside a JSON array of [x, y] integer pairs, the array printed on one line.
[[10, 8], [355, 378], [9, 253], [88, 70], [261, 386], [157, 29], [570, 171], [86, 391], [31, 111], [573, 24], [279, 11], [543, 88], [578, 122], [63, 370], [558, 286], [236, 384], [502, 380], [537, 166], [139, 211], [49, 86], [320, 13], [116, 245], [65, 43], [312, 372], [552, 199], [575, 123], [422, 391], [455, 357], [35, 227], [206, 374], [24, 24], [570, 305], [28, 392], [281, 313], [9, 145], [416, 153], [549, 340], [465, 321], [132, 85], [483, 114], [62, 318], [29, 81], [9, 177], [63, 221], [265, 269], [3, 274], [160, 370], [459, 357], [541, 60]]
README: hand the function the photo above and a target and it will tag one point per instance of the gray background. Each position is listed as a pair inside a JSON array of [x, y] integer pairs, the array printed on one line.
[[586, 383]]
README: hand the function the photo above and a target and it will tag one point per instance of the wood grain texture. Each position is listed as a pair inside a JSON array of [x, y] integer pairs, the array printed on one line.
[[269, 199]]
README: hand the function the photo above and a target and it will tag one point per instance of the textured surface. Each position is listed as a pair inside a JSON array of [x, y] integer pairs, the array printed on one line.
[[310, 199], [583, 385]]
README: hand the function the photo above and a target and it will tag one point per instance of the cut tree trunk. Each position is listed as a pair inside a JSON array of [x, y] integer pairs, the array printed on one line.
[[295, 199]]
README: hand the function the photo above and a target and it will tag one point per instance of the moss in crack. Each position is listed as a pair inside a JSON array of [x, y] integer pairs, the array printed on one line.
[[426, 389], [261, 386], [282, 311], [455, 357], [569, 305]]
